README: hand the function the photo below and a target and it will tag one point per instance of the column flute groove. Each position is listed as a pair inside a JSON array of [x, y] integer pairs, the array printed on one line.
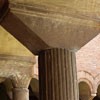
[[57, 74]]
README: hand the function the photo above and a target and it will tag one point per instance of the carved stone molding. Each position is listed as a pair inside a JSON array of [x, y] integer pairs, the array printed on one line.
[[22, 81], [18, 69]]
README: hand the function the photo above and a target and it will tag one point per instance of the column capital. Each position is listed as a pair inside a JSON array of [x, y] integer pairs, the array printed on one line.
[[22, 81]]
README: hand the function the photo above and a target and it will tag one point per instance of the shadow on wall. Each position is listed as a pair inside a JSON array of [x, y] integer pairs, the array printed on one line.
[[3, 93], [32, 96], [34, 89]]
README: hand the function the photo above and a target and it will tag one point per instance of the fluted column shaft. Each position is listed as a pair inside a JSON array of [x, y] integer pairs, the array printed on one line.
[[57, 75]]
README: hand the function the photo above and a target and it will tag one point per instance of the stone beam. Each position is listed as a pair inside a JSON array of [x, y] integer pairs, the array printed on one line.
[[43, 26], [16, 67], [25, 35], [57, 26]]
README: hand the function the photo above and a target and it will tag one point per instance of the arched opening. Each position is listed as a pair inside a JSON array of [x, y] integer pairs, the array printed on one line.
[[34, 89], [98, 90], [3, 92], [32, 95], [97, 97], [84, 91]]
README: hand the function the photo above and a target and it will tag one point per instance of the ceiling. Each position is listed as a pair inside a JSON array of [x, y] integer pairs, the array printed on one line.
[[47, 24]]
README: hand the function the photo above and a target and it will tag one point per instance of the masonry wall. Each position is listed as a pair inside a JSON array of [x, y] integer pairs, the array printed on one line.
[[88, 64]]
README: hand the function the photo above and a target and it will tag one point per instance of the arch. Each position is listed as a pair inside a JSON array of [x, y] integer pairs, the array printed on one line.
[[9, 86], [3, 92], [87, 82], [84, 91], [84, 76], [97, 81], [34, 84]]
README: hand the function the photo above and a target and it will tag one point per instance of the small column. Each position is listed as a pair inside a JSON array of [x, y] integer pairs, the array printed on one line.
[[20, 94], [20, 90], [58, 75]]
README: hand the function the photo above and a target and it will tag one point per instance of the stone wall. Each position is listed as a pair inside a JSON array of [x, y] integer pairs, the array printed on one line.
[[88, 65]]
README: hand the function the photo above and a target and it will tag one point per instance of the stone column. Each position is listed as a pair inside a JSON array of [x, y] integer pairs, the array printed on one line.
[[20, 90], [58, 75], [20, 94]]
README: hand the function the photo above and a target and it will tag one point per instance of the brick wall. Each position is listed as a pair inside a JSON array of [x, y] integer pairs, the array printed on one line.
[[88, 57], [88, 64]]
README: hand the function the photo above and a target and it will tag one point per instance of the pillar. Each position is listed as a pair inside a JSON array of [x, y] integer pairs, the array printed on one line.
[[58, 75], [20, 94], [20, 90]]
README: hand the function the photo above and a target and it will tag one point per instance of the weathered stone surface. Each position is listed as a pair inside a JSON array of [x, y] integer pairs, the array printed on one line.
[[18, 69], [87, 6], [59, 21], [62, 24]]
